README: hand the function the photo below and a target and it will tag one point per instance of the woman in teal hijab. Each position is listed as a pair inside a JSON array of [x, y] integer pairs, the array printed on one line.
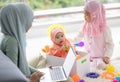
[[15, 21]]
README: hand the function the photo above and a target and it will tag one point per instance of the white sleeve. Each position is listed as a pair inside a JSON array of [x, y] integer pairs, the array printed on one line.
[[109, 43], [77, 38]]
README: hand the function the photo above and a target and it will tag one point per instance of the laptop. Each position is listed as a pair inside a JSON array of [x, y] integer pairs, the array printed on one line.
[[54, 60], [61, 73]]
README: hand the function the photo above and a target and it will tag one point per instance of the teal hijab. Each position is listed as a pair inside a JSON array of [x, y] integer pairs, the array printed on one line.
[[15, 20]]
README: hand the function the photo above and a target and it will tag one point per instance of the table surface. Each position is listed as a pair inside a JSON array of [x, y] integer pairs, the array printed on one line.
[[47, 78]]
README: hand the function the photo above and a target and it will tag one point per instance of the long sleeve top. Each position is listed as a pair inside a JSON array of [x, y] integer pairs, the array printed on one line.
[[9, 46], [101, 46], [57, 50]]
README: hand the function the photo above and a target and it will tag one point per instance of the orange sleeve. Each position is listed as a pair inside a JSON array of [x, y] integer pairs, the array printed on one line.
[[58, 52]]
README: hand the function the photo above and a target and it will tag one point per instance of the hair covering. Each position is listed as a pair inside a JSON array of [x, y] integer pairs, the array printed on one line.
[[98, 19], [54, 32], [57, 48], [15, 20]]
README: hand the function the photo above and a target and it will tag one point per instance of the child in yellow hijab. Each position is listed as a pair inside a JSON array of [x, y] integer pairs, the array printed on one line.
[[60, 45]]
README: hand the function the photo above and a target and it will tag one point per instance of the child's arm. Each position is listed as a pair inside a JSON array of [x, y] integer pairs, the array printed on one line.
[[106, 60], [109, 43], [62, 51], [77, 38], [57, 52]]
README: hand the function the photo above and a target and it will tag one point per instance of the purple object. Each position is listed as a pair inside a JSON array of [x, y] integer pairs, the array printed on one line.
[[81, 44], [81, 80], [92, 75]]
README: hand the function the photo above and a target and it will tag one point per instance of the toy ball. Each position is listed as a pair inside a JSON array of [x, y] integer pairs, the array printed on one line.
[[76, 78], [46, 49], [81, 44], [118, 74], [117, 78], [78, 57], [108, 75], [110, 68], [81, 80], [115, 81]]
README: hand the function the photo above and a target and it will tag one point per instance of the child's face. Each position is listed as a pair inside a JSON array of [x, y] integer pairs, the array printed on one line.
[[59, 38], [87, 16]]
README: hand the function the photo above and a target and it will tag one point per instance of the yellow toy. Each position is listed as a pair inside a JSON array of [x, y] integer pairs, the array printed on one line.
[[110, 68], [109, 74], [66, 47], [118, 74]]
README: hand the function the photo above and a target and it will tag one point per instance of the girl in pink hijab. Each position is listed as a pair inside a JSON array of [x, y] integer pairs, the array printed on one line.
[[60, 45], [96, 34]]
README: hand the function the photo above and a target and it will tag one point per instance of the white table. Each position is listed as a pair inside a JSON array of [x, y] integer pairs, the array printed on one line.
[[47, 77]]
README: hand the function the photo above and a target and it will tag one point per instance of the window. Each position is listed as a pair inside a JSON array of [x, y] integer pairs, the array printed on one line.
[[52, 4]]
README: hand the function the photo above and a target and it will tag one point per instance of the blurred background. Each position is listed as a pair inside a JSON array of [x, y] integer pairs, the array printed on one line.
[[52, 4]]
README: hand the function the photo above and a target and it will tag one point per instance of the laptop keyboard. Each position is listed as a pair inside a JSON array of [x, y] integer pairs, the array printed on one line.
[[56, 73]]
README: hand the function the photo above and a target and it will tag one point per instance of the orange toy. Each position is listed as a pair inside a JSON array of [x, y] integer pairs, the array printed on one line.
[[78, 57], [46, 49], [108, 75], [76, 78]]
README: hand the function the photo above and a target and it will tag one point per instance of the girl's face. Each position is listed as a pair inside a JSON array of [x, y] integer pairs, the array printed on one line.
[[59, 38], [87, 16]]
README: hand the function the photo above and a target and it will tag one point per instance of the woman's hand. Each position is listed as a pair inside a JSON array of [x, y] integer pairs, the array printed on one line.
[[50, 67], [106, 60], [35, 77]]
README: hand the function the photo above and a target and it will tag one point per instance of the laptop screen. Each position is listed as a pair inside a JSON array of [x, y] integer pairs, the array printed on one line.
[[69, 61]]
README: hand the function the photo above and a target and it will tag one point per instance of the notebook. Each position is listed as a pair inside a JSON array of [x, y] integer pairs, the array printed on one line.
[[61, 73]]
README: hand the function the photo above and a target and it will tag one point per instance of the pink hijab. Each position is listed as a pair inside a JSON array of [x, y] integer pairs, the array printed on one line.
[[54, 32], [98, 20], [55, 47]]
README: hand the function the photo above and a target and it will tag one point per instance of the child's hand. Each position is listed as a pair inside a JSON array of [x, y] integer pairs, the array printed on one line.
[[65, 47], [106, 60]]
